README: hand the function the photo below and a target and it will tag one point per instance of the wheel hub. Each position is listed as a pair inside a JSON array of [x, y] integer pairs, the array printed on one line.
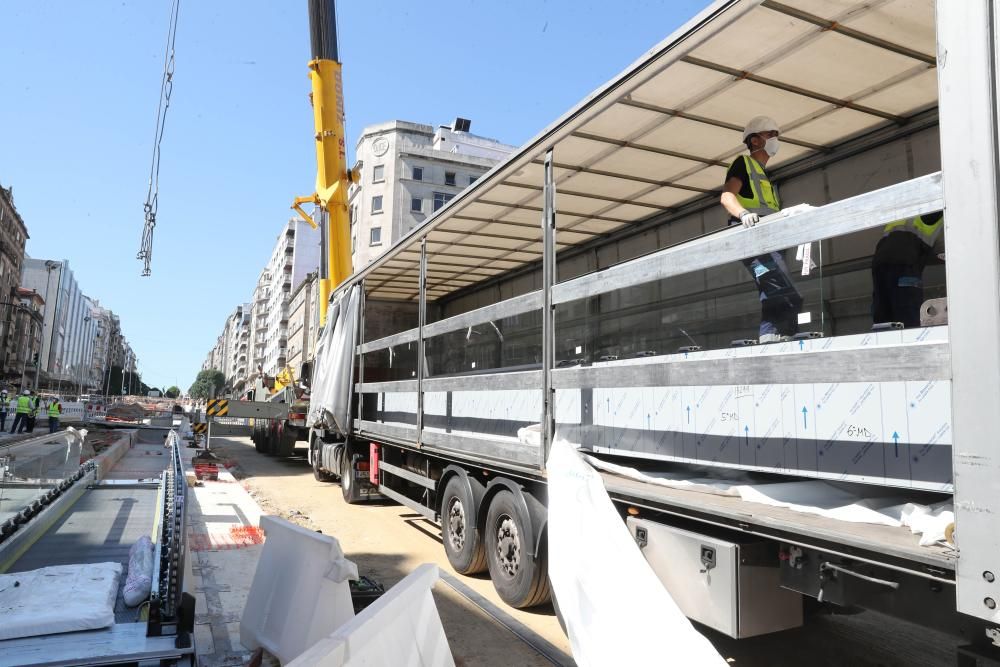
[[508, 545], [456, 524]]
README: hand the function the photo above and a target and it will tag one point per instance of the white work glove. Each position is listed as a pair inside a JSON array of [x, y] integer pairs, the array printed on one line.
[[749, 219]]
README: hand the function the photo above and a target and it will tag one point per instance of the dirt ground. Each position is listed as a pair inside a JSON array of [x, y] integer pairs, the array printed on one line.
[[387, 541]]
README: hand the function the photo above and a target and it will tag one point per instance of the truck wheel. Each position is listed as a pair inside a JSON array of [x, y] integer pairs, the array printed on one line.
[[284, 440], [318, 472], [348, 485], [462, 541], [521, 580], [258, 439]]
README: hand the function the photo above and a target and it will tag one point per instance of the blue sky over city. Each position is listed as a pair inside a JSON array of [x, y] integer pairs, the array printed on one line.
[[79, 83]]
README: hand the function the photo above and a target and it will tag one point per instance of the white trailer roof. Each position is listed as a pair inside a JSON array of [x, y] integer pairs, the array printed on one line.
[[663, 132]]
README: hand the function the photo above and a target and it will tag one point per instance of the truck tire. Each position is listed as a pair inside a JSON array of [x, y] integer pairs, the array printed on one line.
[[521, 580], [348, 485], [462, 540], [258, 438], [318, 472], [284, 441]]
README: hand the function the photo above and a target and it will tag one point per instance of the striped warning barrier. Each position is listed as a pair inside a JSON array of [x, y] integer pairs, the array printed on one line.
[[199, 428], [217, 407]]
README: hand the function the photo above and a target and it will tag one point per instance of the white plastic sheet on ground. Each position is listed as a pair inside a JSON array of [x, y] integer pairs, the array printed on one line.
[[856, 504], [615, 609], [400, 629], [330, 394], [139, 580], [299, 593], [61, 598]]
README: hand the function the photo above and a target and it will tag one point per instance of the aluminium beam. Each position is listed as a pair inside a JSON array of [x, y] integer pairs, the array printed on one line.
[[775, 233], [967, 34]]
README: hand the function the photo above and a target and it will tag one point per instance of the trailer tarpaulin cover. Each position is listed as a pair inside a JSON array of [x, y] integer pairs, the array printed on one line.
[[605, 588], [330, 400]]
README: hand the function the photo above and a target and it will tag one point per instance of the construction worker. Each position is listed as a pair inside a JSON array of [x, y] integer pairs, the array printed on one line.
[[21, 411], [55, 409], [33, 412], [748, 196], [4, 406], [907, 246]]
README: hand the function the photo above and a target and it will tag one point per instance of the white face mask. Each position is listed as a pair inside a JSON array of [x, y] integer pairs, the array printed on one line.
[[771, 146]]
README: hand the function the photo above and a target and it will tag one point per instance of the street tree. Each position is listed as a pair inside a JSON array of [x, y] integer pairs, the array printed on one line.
[[207, 384]]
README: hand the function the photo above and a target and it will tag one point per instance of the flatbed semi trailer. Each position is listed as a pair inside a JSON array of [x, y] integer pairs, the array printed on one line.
[[589, 289]]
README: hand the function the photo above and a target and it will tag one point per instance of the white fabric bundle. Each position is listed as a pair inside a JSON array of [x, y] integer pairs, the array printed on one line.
[[139, 580]]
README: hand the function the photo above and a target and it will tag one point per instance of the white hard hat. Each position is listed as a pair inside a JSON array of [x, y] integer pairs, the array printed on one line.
[[26, 392], [759, 124]]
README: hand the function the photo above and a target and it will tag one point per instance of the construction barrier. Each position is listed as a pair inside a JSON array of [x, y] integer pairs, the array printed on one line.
[[300, 591], [217, 407], [403, 622]]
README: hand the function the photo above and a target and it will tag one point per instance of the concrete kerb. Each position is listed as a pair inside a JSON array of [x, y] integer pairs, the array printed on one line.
[[107, 459]]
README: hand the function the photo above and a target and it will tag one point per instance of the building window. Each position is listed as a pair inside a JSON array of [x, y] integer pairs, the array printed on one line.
[[354, 244], [441, 198], [418, 173], [378, 173], [416, 205], [376, 236], [449, 178], [473, 179], [377, 204]]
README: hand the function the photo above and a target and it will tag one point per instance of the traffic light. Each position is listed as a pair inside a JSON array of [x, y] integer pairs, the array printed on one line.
[[35, 358]]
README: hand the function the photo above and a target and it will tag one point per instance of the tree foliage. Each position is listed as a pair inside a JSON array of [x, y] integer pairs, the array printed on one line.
[[173, 392], [207, 384]]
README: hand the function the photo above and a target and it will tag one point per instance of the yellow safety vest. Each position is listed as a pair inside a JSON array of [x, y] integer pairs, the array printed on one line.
[[54, 409], [23, 405], [765, 197], [926, 232]]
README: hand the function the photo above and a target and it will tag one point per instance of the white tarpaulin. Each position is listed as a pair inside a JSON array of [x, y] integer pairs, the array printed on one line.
[[330, 396], [811, 497], [605, 589], [61, 598]]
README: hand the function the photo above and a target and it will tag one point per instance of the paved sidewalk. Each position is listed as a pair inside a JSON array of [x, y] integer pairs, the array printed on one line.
[[224, 543]]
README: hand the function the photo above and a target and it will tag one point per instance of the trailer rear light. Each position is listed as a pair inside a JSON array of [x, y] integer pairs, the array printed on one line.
[[362, 465], [297, 415]]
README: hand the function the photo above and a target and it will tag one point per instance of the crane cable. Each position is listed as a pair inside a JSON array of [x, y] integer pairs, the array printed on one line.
[[152, 194]]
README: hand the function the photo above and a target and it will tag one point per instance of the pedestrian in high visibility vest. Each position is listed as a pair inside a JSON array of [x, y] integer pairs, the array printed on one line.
[[21, 411], [55, 409], [4, 406], [33, 412], [907, 246], [748, 195]]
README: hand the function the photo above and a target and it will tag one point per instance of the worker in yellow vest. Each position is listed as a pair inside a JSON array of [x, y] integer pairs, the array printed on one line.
[[21, 412], [906, 248], [33, 412], [55, 410], [748, 195]]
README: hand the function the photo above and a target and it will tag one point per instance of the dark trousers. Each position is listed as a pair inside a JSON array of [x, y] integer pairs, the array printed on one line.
[[897, 294], [53, 424], [31, 423], [3, 420], [780, 302], [20, 423]]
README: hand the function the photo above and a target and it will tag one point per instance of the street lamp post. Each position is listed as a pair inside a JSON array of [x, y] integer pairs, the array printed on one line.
[[49, 265]]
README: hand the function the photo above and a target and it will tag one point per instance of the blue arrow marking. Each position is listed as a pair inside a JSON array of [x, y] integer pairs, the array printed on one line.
[[802, 344], [746, 434], [895, 442], [689, 414], [805, 420], [685, 355]]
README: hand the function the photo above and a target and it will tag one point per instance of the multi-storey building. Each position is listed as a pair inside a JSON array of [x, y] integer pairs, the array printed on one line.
[[69, 330], [303, 323], [254, 339], [408, 171], [13, 235]]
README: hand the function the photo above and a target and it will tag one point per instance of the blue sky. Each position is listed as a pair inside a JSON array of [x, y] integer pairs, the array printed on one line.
[[79, 82]]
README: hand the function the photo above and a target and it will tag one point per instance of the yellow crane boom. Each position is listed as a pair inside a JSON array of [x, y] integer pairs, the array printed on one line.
[[332, 175]]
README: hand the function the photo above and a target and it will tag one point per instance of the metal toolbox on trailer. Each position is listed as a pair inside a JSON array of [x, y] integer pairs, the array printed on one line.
[[724, 585]]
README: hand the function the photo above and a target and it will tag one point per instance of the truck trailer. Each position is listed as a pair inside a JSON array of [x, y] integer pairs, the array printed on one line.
[[589, 289]]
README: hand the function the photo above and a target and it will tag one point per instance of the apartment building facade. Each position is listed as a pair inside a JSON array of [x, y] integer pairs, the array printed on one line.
[[408, 171]]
